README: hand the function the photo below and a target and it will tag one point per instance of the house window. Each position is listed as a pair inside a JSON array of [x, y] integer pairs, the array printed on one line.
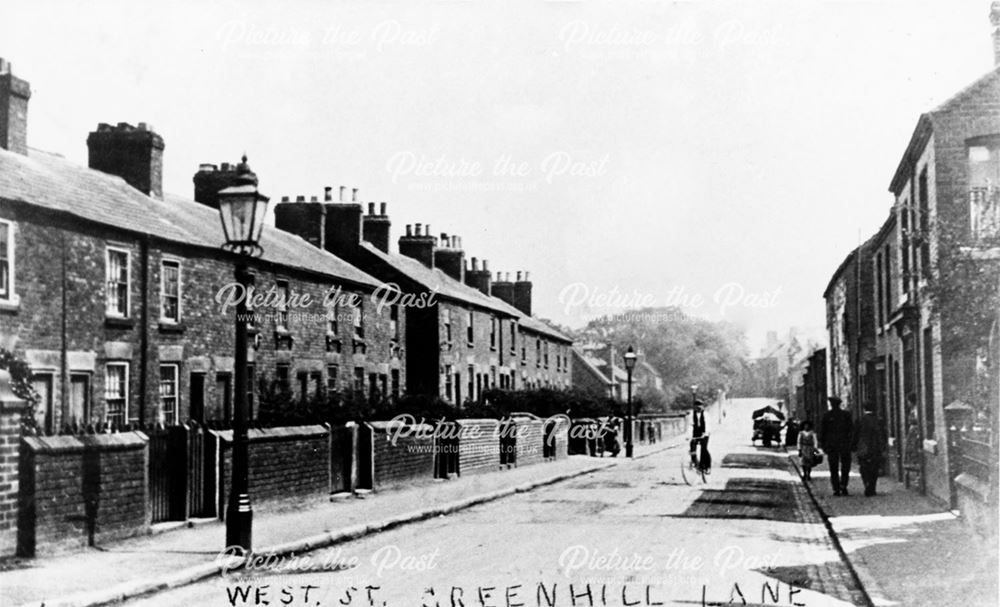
[[357, 313], [79, 398], [446, 321], [281, 376], [546, 350], [6, 260], [373, 393], [513, 336], [285, 294], [925, 220], [332, 378], [359, 380], [332, 320], [493, 333], [470, 333], [394, 378], [168, 393], [984, 190], [449, 386], [116, 393], [472, 384], [538, 352], [170, 291], [394, 322], [118, 274], [929, 382]]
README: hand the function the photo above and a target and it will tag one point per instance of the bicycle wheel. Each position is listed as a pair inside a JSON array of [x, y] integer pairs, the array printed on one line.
[[686, 468]]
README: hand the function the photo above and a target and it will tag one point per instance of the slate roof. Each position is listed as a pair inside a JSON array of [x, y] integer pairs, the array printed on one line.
[[588, 364], [438, 281], [50, 181]]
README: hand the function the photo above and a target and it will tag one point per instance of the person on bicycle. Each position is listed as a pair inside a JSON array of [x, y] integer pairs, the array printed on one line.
[[699, 437]]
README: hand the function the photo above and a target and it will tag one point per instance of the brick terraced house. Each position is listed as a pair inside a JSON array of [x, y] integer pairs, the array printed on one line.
[[109, 288], [921, 342], [465, 333]]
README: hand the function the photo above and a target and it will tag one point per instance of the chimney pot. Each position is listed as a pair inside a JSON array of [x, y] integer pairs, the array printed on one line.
[[417, 229], [518, 276], [428, 232], [328, 193], [354, 194], [343, 189], [475, 264], [313, 199], [371, 208], [382, 210], [409, 230], [486, 267], [284, 199], [205, 166], [4, 66], [526, 279], [444, 239], [300, 198]]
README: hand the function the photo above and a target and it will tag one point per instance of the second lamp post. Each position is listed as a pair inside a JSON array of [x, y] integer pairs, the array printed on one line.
[[630, 357]]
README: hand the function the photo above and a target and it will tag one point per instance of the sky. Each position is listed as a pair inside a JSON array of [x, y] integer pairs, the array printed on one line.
[[720, 156]]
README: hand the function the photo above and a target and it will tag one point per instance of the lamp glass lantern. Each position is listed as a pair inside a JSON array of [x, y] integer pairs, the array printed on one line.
[[242, 209], [630, 358]]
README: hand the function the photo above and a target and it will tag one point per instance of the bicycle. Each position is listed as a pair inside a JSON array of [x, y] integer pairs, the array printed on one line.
[[698, 461]]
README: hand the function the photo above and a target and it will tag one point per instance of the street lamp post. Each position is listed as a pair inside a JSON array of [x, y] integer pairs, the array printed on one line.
[[242, 210], [630, 357]]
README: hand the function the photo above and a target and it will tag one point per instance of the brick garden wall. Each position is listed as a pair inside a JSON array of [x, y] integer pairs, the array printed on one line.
[[81, 490], [530, 437], [284, 462], [401, 457], [478, 446], [10, 432]]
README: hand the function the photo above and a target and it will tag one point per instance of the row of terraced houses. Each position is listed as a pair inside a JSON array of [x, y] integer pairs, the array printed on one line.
[[108, 289], [912, 313]]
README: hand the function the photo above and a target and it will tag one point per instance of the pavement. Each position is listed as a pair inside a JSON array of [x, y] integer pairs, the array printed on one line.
[[907, 549], [897, 548], [152, 563]]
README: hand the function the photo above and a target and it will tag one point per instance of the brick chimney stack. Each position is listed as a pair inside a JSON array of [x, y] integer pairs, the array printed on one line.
[[418, 245], [479, 278], [376, 227], [134, 153], [14, 95], [503, 289], [211, 179], [522, 294], [305, 219], [450, 258]]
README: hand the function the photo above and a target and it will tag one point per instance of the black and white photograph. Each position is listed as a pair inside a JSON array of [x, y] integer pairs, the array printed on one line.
[[486, 303]]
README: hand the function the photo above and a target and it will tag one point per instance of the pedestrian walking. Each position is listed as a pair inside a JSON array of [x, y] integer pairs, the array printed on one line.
[[836, 433], [808, 453], [869, 445]]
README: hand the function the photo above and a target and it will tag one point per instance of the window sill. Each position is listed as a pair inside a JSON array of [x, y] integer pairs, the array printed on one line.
[[119, 322], [167, 326], [11, 304]]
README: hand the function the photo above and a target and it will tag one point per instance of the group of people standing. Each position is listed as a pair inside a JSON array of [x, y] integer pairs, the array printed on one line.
[[840, 437]]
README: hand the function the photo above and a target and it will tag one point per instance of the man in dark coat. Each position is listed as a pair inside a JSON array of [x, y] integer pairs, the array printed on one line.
[[836, 435], [697, 430], [869, 444]]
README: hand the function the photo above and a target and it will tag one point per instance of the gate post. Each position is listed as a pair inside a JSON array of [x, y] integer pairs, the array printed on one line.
[[12, 409]]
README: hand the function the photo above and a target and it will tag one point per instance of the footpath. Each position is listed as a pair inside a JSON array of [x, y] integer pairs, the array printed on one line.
[[141, 565], [904, 548]]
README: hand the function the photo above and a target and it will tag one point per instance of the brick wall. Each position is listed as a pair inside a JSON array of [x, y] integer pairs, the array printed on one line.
[[284, 462], [401, 457], [10, 433], [77, 491], [478, 446], [529, 441], [559, 438]]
